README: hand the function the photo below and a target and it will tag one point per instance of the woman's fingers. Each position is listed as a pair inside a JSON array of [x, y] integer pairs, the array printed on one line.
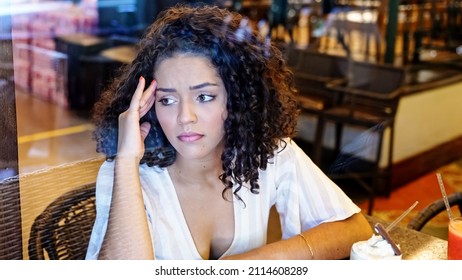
[[144, 130], [138, 94], [131, 133], [143, 100], [148, 98]]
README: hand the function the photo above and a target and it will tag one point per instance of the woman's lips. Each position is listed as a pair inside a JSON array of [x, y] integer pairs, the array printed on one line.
[[189, 137]]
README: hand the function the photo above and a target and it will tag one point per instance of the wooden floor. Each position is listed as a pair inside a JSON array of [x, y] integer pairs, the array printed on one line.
[[425, 190], [50, 135]]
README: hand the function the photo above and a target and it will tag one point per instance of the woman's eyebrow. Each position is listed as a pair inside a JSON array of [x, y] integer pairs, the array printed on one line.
[[166, 89], [199, 86], [202, 86]]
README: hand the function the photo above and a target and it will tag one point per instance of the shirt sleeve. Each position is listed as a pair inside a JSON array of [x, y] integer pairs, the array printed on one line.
[[104, 185], [305, 196]]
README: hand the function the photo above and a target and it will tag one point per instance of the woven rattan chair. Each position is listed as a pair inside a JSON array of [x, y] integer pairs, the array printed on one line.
[[433, 209], [10, 220], [63, 229]]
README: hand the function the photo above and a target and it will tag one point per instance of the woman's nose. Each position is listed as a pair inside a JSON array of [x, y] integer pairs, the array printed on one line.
[[187, 113]]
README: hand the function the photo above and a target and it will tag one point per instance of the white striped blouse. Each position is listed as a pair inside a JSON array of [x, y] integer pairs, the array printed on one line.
[[303, 195]]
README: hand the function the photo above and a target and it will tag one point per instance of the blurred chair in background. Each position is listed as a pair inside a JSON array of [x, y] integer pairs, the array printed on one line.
[[370, 98], [312, 73]]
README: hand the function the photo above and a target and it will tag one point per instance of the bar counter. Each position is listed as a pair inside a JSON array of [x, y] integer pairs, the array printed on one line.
[[415, 245]]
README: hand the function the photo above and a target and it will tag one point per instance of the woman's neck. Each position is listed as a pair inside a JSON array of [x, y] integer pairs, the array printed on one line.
[[196, 171]]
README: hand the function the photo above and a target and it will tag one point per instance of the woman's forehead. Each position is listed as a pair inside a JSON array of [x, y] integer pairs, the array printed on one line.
[[186, 69], [184, 60]]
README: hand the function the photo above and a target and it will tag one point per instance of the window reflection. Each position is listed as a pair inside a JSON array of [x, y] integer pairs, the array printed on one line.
[[57, 56]]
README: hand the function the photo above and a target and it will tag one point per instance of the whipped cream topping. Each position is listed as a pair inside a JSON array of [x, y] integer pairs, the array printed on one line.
[[373, 248]]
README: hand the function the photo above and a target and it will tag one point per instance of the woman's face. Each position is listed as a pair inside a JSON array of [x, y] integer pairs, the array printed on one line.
[[191, 106]]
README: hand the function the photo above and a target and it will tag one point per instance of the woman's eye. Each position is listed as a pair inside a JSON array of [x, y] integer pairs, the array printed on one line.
[[205, 97], [166, 101]]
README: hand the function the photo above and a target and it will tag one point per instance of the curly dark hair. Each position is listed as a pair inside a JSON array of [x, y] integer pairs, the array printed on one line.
[[261, 105]]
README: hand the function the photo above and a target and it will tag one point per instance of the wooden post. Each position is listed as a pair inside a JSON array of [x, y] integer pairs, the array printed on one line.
[[392, 27]]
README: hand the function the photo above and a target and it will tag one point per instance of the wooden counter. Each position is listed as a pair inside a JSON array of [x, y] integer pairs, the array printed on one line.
[[428, 133]]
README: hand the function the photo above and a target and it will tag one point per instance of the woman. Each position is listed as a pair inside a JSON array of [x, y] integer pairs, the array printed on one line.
[[197, 133]]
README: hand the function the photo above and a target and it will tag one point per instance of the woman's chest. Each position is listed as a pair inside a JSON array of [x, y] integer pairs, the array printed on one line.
[[195, 225], [207, 230], [209, 219]]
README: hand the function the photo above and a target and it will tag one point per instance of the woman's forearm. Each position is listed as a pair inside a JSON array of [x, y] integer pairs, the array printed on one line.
[[327, 241], [127, 235], [334, 240]]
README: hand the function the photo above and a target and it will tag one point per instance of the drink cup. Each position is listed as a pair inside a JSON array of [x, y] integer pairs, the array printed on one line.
[[375, 248], [455, 239]]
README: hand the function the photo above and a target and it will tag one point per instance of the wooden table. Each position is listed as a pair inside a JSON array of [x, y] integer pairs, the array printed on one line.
[[415, 245]]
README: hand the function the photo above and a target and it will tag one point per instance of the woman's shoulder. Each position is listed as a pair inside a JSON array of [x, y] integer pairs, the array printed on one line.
[[289, 153], [150, 176], [288, 147], [107, 169]]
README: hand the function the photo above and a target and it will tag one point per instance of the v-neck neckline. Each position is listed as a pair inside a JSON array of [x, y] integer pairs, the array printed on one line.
[[184, 223]]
